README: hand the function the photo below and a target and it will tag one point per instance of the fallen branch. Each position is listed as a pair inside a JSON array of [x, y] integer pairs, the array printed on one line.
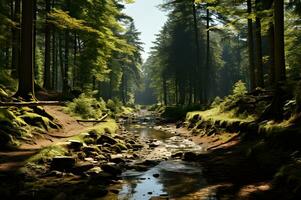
[[31, 104], [94, 120]]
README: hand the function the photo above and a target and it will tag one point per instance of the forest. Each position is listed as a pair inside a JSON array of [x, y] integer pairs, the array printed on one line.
[[214, 112]]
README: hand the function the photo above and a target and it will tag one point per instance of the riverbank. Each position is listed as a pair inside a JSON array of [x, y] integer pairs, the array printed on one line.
[[139, 156]]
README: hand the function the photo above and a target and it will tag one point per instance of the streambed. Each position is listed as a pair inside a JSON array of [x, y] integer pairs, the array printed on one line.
[[171, 178]]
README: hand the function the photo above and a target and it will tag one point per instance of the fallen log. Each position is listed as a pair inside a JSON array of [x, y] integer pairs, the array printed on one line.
[[32, 104], [94, 120]]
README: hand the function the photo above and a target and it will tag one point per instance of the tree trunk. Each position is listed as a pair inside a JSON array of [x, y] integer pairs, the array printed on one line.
[[123, 86], [251, 48], [35, 68], [66, 64], [54, 60], [258, 51], [74, 60], [164, 90], [206, 71], [26, 80], [16, 36], [61, 61], [47, 82], [197, 69], [280, 74], [271, 55]]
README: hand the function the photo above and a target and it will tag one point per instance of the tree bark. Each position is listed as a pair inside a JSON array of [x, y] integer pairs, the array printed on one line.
[[271, 55], [206, 71], [197, 69], [66, 64], [251, 48], [54, 61], [61, 62], [280, 74], [258, 51], [74, 60], [47, 80], [35, 67], [16, 36], [164, 90], [26, 80]]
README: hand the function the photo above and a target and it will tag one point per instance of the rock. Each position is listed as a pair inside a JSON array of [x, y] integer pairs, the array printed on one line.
[[130, 141], [91, 160], [150, 162], [94, 171], [75, 144], [101, 177], [150, 193], [177, 155], [140, 167], [121, 146], [190, 156], [156, 175], [115, 148], [81, 155], [111, 168], [154, 144], [91, 150], [115, 191], [106, 139], [62, 163], [129, 146], [100, 157], [117, 158], [80, 168], [179, 124], [93, 134], [55, 173]]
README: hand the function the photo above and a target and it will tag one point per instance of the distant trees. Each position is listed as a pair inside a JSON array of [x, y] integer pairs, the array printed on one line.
[[201, 52]]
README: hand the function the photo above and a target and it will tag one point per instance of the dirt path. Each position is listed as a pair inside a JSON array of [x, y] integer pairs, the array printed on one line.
[[13, 160]]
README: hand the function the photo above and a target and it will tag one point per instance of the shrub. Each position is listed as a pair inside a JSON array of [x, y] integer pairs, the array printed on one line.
[[86, 106], [114, 105], [239, 89]]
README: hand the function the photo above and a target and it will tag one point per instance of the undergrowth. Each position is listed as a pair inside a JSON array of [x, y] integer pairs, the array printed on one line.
[[87, 106]]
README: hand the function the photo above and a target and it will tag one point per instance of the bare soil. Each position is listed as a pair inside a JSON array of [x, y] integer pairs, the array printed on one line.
[[13, 160]]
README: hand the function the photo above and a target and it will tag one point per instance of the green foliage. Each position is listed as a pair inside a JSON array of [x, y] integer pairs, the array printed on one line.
[[114, 105], [175, 113], [48, 153], [8, 83], [216, 102], [86, 106], [239, 89]]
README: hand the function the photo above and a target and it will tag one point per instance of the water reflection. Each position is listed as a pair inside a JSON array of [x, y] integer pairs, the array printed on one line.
[[149, 133], [175, 178]]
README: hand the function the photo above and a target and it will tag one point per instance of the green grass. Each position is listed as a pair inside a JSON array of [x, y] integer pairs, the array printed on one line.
[[48, 153], [109, 126], [215, 114], [60, 148]]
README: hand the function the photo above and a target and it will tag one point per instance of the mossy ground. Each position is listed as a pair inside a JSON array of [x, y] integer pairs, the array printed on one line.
[[20, 124], [61, 149]]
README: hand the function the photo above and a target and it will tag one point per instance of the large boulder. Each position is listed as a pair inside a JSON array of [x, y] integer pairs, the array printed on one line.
[[82, 167], [111, 168], [106, 139]]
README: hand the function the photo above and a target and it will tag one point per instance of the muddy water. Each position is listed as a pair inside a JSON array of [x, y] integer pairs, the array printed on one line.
[[170, 179]]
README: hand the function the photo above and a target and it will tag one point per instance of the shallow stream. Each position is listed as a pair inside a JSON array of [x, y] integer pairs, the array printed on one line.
[[171, 178]]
